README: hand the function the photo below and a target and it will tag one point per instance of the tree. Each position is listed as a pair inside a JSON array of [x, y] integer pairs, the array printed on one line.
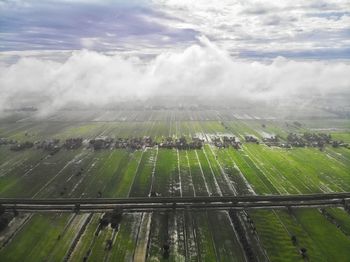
[[2, 209], [116, 217], [166, 250], [77, 208], [3, 222], [303, 252]]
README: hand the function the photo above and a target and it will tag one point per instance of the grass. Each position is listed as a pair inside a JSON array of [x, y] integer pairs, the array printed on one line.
[[166, 176], [254, 175], [288, 172], [342, 218], [205, 236], [206, 169], [227, 246], [227, 174], [13, 166], [301, 170], [185, 174], [74, 224], [126, 177], [159, 235], [36, 240], [27, 183], [217, 171], [331, 241], [86, 240], [126, 239], [199, 182], [143, 177], [274, 236], [343, 136]]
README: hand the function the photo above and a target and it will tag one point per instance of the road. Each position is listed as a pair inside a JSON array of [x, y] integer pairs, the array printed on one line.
[[145, 204]]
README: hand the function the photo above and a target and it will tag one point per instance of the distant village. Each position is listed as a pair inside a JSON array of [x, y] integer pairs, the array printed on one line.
[[226, 141], [100, 143], [319, 140]]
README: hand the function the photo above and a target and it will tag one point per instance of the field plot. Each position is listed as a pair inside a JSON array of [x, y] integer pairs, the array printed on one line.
[[290, 234], [288, 173]]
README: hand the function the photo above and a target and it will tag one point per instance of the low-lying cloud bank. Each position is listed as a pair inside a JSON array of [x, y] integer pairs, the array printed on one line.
[[95, 79]]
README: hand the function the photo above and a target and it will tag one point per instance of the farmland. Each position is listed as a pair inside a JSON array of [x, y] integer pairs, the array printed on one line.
[[254, 169]]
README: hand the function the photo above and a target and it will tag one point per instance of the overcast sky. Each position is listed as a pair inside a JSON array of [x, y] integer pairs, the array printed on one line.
[[98, 52], [259, 29]]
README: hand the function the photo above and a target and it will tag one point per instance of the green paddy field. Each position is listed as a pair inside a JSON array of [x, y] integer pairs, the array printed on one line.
[[193, 235]]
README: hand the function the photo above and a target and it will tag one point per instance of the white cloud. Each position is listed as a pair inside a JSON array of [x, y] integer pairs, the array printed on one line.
[[253, 28], [96, 79], [265, 26]]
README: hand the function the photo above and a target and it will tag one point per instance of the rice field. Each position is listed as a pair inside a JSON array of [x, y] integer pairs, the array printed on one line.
[[273, 235]]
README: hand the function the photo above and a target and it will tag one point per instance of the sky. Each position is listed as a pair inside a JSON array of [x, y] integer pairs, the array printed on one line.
[[301, 29], [264, 49]]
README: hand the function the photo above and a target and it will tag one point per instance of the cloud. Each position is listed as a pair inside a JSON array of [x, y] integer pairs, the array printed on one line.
[[257, 26], [96, 79], [288, 28]]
